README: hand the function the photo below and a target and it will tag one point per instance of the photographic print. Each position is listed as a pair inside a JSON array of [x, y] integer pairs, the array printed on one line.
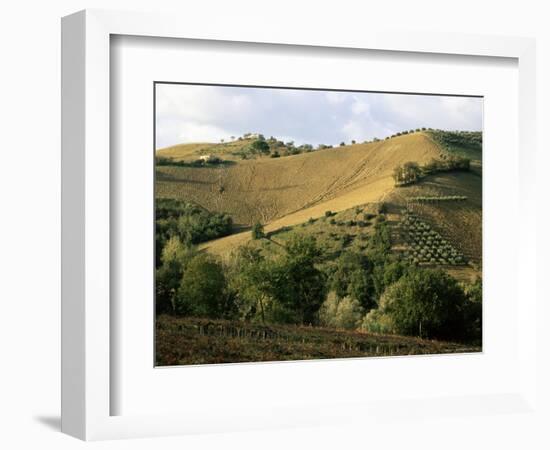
[[299, 224]]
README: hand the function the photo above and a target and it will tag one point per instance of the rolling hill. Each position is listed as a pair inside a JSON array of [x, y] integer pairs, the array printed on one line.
[[285, 192], [266, 189], [183, 152]]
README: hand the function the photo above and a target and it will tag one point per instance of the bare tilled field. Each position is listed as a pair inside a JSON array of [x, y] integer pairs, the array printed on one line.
[[266, 189]]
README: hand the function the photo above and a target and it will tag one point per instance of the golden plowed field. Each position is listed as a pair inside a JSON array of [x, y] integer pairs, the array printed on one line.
[[293, 188]]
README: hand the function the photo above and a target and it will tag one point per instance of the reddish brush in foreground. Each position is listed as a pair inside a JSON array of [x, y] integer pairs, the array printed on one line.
[[203, 341]]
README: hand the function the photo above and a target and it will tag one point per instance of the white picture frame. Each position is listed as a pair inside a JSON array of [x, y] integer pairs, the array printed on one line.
[[87, 386]]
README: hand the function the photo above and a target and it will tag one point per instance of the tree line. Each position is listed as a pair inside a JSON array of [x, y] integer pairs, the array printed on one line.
[[373, 290], [412, 172], [188, 223], [458, 139]]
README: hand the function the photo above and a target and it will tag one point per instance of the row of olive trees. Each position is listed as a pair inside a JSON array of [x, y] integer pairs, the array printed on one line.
[[438, 198], [275, 148], [452, 140]]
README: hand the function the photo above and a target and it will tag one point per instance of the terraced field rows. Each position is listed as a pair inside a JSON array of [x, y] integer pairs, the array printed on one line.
[[427, 246]]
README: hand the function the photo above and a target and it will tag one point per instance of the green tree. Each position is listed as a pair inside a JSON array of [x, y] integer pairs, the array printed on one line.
[[426, 303], [382, 208], [474, 292], [412, 171], [304, 282], [202, 291], [190, 223], [409, 172], [167, 279], [385, 273], [353, 277], [380, 242], [338, 312], [258, 231], [174, 251], [287, 289], [258, 284], [174, 257], [260, 146]]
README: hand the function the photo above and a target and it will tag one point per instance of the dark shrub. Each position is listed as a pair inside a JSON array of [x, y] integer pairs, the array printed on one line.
[[427, 303], [382, 208], [202, 289], [258, 231]]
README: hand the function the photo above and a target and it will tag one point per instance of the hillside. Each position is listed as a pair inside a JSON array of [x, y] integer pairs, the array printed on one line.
[[186, 152], [285, 193], [460, 221], [322, 254], [267, 189]]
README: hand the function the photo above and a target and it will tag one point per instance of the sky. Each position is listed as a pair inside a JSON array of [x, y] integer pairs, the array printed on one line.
[[192, 113]]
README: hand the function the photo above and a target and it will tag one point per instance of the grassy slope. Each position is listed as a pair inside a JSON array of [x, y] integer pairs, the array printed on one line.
[[474, 154], [459, 222], [202, 341], [192, 151], [334, 234]]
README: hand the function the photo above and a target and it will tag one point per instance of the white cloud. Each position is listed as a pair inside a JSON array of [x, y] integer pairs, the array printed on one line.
[[190, 113], [360, 107], [335, 98], [200, 132]]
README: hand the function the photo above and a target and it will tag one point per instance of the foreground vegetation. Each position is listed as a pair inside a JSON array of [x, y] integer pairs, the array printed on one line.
[[373, 290], [182, 340]]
